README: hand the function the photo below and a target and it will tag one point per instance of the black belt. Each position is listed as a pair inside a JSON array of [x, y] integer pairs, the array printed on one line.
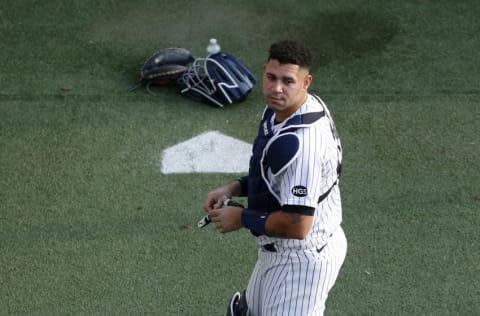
[[269, 247], [272, 248]]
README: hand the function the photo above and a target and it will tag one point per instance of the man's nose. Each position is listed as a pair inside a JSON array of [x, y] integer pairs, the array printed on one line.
[[277, 86]]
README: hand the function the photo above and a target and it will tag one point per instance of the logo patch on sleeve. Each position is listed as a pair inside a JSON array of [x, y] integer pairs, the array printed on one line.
[[299, 191]]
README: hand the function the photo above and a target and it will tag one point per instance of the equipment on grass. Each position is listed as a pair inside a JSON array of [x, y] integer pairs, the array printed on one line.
[[204, 221], [219, 79], [164, 68]]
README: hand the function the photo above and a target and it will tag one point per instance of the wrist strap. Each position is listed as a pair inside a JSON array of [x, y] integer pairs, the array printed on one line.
[[254, 220]]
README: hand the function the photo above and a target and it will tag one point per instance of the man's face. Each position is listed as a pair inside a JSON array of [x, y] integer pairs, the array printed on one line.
[[285, 87]]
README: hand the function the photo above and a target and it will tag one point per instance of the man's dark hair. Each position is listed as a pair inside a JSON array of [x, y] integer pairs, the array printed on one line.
[[291, 52]]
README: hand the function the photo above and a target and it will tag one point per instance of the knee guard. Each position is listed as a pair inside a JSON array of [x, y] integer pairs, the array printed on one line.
[[237, 305]]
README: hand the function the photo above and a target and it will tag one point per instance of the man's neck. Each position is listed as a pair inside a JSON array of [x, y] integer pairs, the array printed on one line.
[[281, 116]]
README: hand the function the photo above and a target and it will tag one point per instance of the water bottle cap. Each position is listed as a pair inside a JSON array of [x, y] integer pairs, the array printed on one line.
[[213, 46]]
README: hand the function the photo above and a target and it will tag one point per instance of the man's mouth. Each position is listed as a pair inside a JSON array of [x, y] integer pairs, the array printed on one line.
[[274, 99]]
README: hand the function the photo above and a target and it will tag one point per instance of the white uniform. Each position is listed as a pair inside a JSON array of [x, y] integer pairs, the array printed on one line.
[[293, 277]]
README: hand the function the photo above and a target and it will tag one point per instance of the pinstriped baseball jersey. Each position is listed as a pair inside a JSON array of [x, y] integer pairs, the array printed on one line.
[[311, 173], [291, 276]]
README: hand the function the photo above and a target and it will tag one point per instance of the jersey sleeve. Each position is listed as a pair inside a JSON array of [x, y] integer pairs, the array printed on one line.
[[312, 171]]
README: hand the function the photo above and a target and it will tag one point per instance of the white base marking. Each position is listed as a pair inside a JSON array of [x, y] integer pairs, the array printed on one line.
[[210, 152]]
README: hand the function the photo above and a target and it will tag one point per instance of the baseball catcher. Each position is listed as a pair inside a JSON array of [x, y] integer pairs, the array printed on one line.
[[164, 68]]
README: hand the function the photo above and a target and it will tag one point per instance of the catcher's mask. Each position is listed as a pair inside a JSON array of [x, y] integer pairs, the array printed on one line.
[[219, 79]]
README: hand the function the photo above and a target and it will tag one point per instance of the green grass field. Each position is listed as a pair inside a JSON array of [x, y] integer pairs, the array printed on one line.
[[90, 226]]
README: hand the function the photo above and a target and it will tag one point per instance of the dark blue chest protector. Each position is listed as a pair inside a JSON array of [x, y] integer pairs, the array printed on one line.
[[259, 196]]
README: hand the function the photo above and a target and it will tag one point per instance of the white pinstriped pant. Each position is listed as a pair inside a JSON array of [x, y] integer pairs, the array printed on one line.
[[295, 282]]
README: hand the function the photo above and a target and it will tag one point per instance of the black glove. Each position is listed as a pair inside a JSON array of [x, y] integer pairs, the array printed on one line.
[[164, 68]]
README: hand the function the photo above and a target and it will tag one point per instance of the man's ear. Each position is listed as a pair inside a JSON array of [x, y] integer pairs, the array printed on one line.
[[307, 81]]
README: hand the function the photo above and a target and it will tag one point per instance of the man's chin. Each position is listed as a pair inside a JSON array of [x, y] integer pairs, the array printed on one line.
[[274, 107], [275, 103]]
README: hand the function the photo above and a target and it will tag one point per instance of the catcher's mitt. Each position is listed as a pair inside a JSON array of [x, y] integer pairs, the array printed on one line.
[[164, 68]]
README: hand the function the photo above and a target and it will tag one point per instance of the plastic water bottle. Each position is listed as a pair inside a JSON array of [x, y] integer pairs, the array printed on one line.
[[213, 47]]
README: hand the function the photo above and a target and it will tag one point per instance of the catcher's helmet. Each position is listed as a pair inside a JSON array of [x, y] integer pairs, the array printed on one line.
[[219, 79]]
